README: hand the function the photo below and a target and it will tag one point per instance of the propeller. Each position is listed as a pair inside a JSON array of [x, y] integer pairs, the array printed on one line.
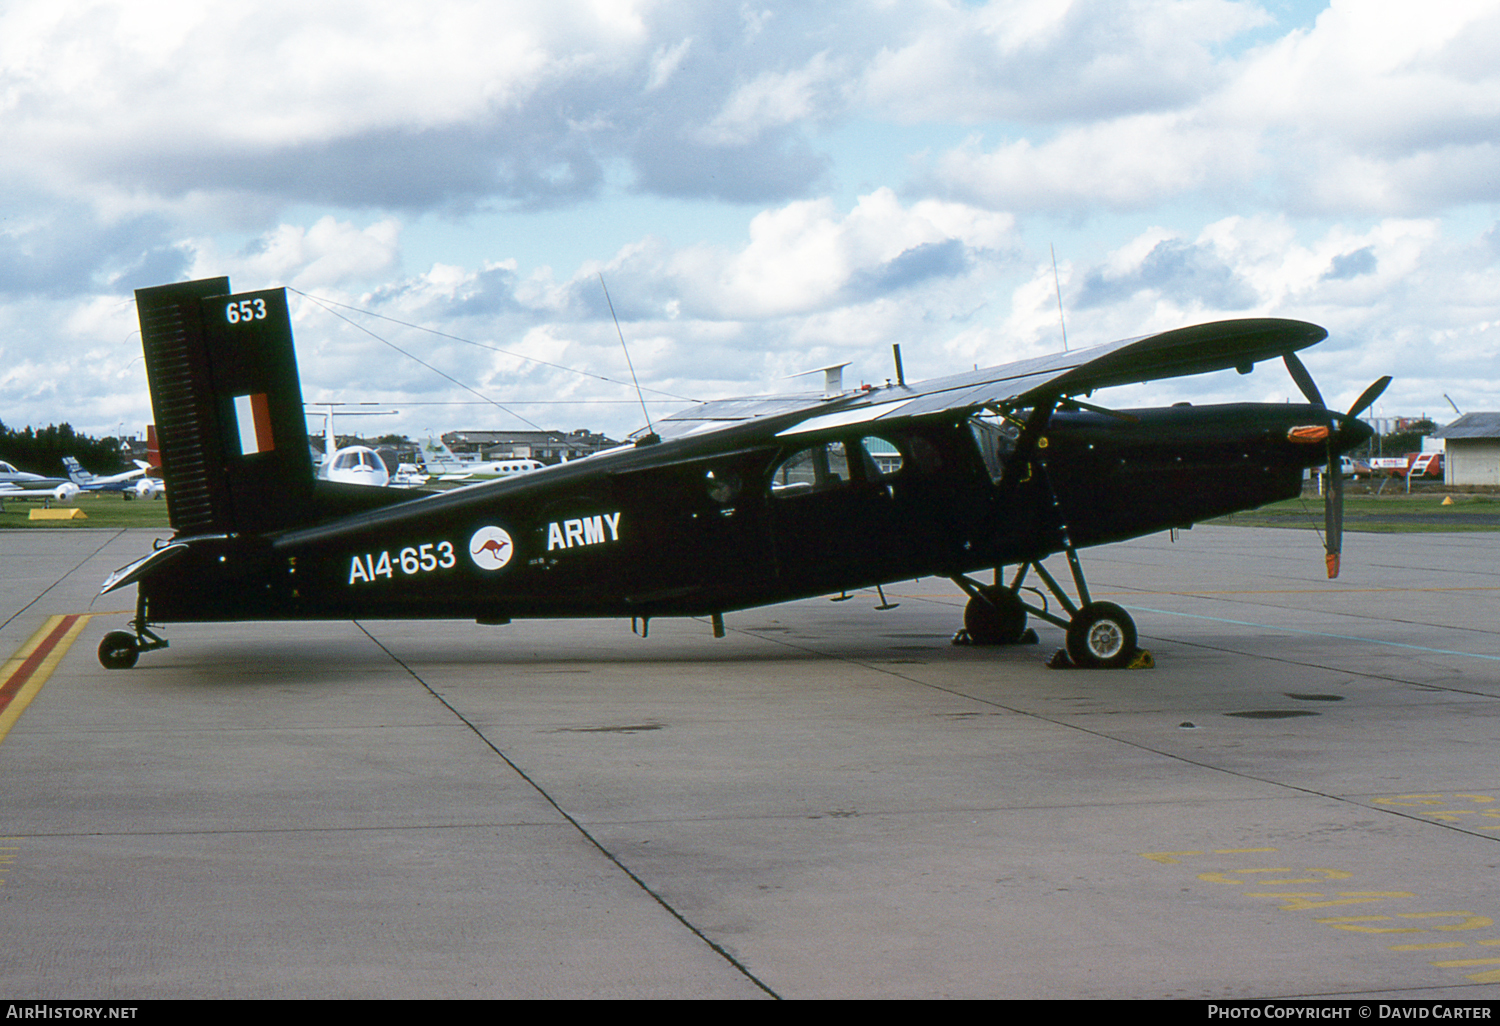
[[1333, 493]]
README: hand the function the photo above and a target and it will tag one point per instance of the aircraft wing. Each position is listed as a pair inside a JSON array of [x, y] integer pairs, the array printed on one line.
[[1183, 351], [62, 492]]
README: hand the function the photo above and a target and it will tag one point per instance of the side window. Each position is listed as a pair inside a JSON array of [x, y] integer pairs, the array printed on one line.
[[871, 460], [996, 439], [880, 458], [817, 468]]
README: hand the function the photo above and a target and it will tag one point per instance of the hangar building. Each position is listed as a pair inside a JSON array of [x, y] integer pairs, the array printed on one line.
[[1472, 443]]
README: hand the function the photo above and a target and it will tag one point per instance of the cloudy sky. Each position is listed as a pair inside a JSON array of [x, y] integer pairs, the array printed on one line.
[[765, 187]]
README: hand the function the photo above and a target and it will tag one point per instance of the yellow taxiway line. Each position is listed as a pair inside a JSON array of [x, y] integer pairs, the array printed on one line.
[[26, 671]]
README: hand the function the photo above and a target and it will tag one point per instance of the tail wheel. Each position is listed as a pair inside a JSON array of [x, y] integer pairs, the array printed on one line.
[[995, 617], [119, 650], [1101, 636]]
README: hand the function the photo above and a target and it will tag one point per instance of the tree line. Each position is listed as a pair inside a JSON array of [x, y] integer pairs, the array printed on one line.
[[40, 451]]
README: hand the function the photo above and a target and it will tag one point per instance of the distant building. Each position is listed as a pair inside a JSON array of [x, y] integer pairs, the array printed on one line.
[[1472, 443], [547, 446]]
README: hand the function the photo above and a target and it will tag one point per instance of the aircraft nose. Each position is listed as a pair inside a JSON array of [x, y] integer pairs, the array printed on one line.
[[1353, 433]]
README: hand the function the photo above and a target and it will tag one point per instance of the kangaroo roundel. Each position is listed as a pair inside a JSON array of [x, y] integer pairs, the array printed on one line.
[[491, 548]]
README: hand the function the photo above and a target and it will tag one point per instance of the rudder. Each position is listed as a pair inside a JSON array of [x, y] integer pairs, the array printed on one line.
[[228, 407]]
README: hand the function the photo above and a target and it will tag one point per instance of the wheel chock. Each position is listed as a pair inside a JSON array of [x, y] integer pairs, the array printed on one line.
[[1141, 660]]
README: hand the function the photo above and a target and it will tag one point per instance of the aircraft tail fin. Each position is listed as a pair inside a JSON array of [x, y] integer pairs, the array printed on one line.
[[75, 470], [228, 407]]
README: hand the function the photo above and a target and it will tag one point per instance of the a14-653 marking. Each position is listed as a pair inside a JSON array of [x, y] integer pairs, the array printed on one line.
[[369, 567]]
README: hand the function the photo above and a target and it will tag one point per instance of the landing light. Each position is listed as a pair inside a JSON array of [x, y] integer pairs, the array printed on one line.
[[1308, 434]]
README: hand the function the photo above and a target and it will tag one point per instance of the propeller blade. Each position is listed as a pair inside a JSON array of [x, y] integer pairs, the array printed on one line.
[[1303, 379], [1368, 396], [1333, 510]]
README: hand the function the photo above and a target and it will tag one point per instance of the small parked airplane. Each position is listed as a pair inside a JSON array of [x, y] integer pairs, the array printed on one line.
[[448, 466], [18, 483], [728, 505], [132, 481]]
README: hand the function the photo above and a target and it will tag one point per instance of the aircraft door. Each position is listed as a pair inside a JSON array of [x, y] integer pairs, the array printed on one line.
[[840, 512], [702, 531]]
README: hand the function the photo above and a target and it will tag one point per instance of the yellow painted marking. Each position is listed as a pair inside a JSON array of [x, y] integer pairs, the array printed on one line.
[[1347, 923], [1431, 946], [1465, 963], [36, 675], [1172, 858], [1493, 976], [1223, 877], [1470, 920], [1297, 901], [1406, 800]]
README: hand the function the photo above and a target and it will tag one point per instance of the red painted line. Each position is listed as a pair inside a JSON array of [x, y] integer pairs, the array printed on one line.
[[17, 680]]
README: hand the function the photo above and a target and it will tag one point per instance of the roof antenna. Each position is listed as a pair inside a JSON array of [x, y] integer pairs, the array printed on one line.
[[650, 437], [1057, 282]]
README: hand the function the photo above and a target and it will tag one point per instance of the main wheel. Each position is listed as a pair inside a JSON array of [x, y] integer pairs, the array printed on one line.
[[1100, 636], [995, 616], [118, 651]]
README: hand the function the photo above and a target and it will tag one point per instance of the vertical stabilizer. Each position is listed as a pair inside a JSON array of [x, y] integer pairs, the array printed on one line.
[[228, 407]]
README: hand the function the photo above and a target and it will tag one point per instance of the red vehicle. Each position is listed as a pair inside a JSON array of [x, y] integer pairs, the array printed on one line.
[[1424, 464]]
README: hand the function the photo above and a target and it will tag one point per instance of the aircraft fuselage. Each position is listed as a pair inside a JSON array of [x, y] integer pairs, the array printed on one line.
[[692, 527]]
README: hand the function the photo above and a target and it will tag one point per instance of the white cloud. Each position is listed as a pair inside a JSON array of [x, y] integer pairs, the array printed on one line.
[[1380, 108], [328, 253], [772, 100], [1128, 163], [1035, 59]]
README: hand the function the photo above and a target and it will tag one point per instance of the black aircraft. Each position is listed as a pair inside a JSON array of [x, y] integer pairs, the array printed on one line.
[[731, 504]]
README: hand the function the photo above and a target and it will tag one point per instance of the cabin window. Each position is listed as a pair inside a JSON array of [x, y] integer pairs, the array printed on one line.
[[882, 458], [830, 465], [817, 468]]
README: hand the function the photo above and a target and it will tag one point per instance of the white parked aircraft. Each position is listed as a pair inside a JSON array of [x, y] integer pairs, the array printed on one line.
[[353, 464], [448, 466], [133, 481]]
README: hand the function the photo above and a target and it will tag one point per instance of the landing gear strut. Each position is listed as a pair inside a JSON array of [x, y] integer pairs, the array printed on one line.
[[120, 649], [1100, 635]]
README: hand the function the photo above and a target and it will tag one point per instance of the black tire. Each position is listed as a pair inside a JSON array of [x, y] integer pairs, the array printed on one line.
[[118, 651], [995, 617], [1101, 636]]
